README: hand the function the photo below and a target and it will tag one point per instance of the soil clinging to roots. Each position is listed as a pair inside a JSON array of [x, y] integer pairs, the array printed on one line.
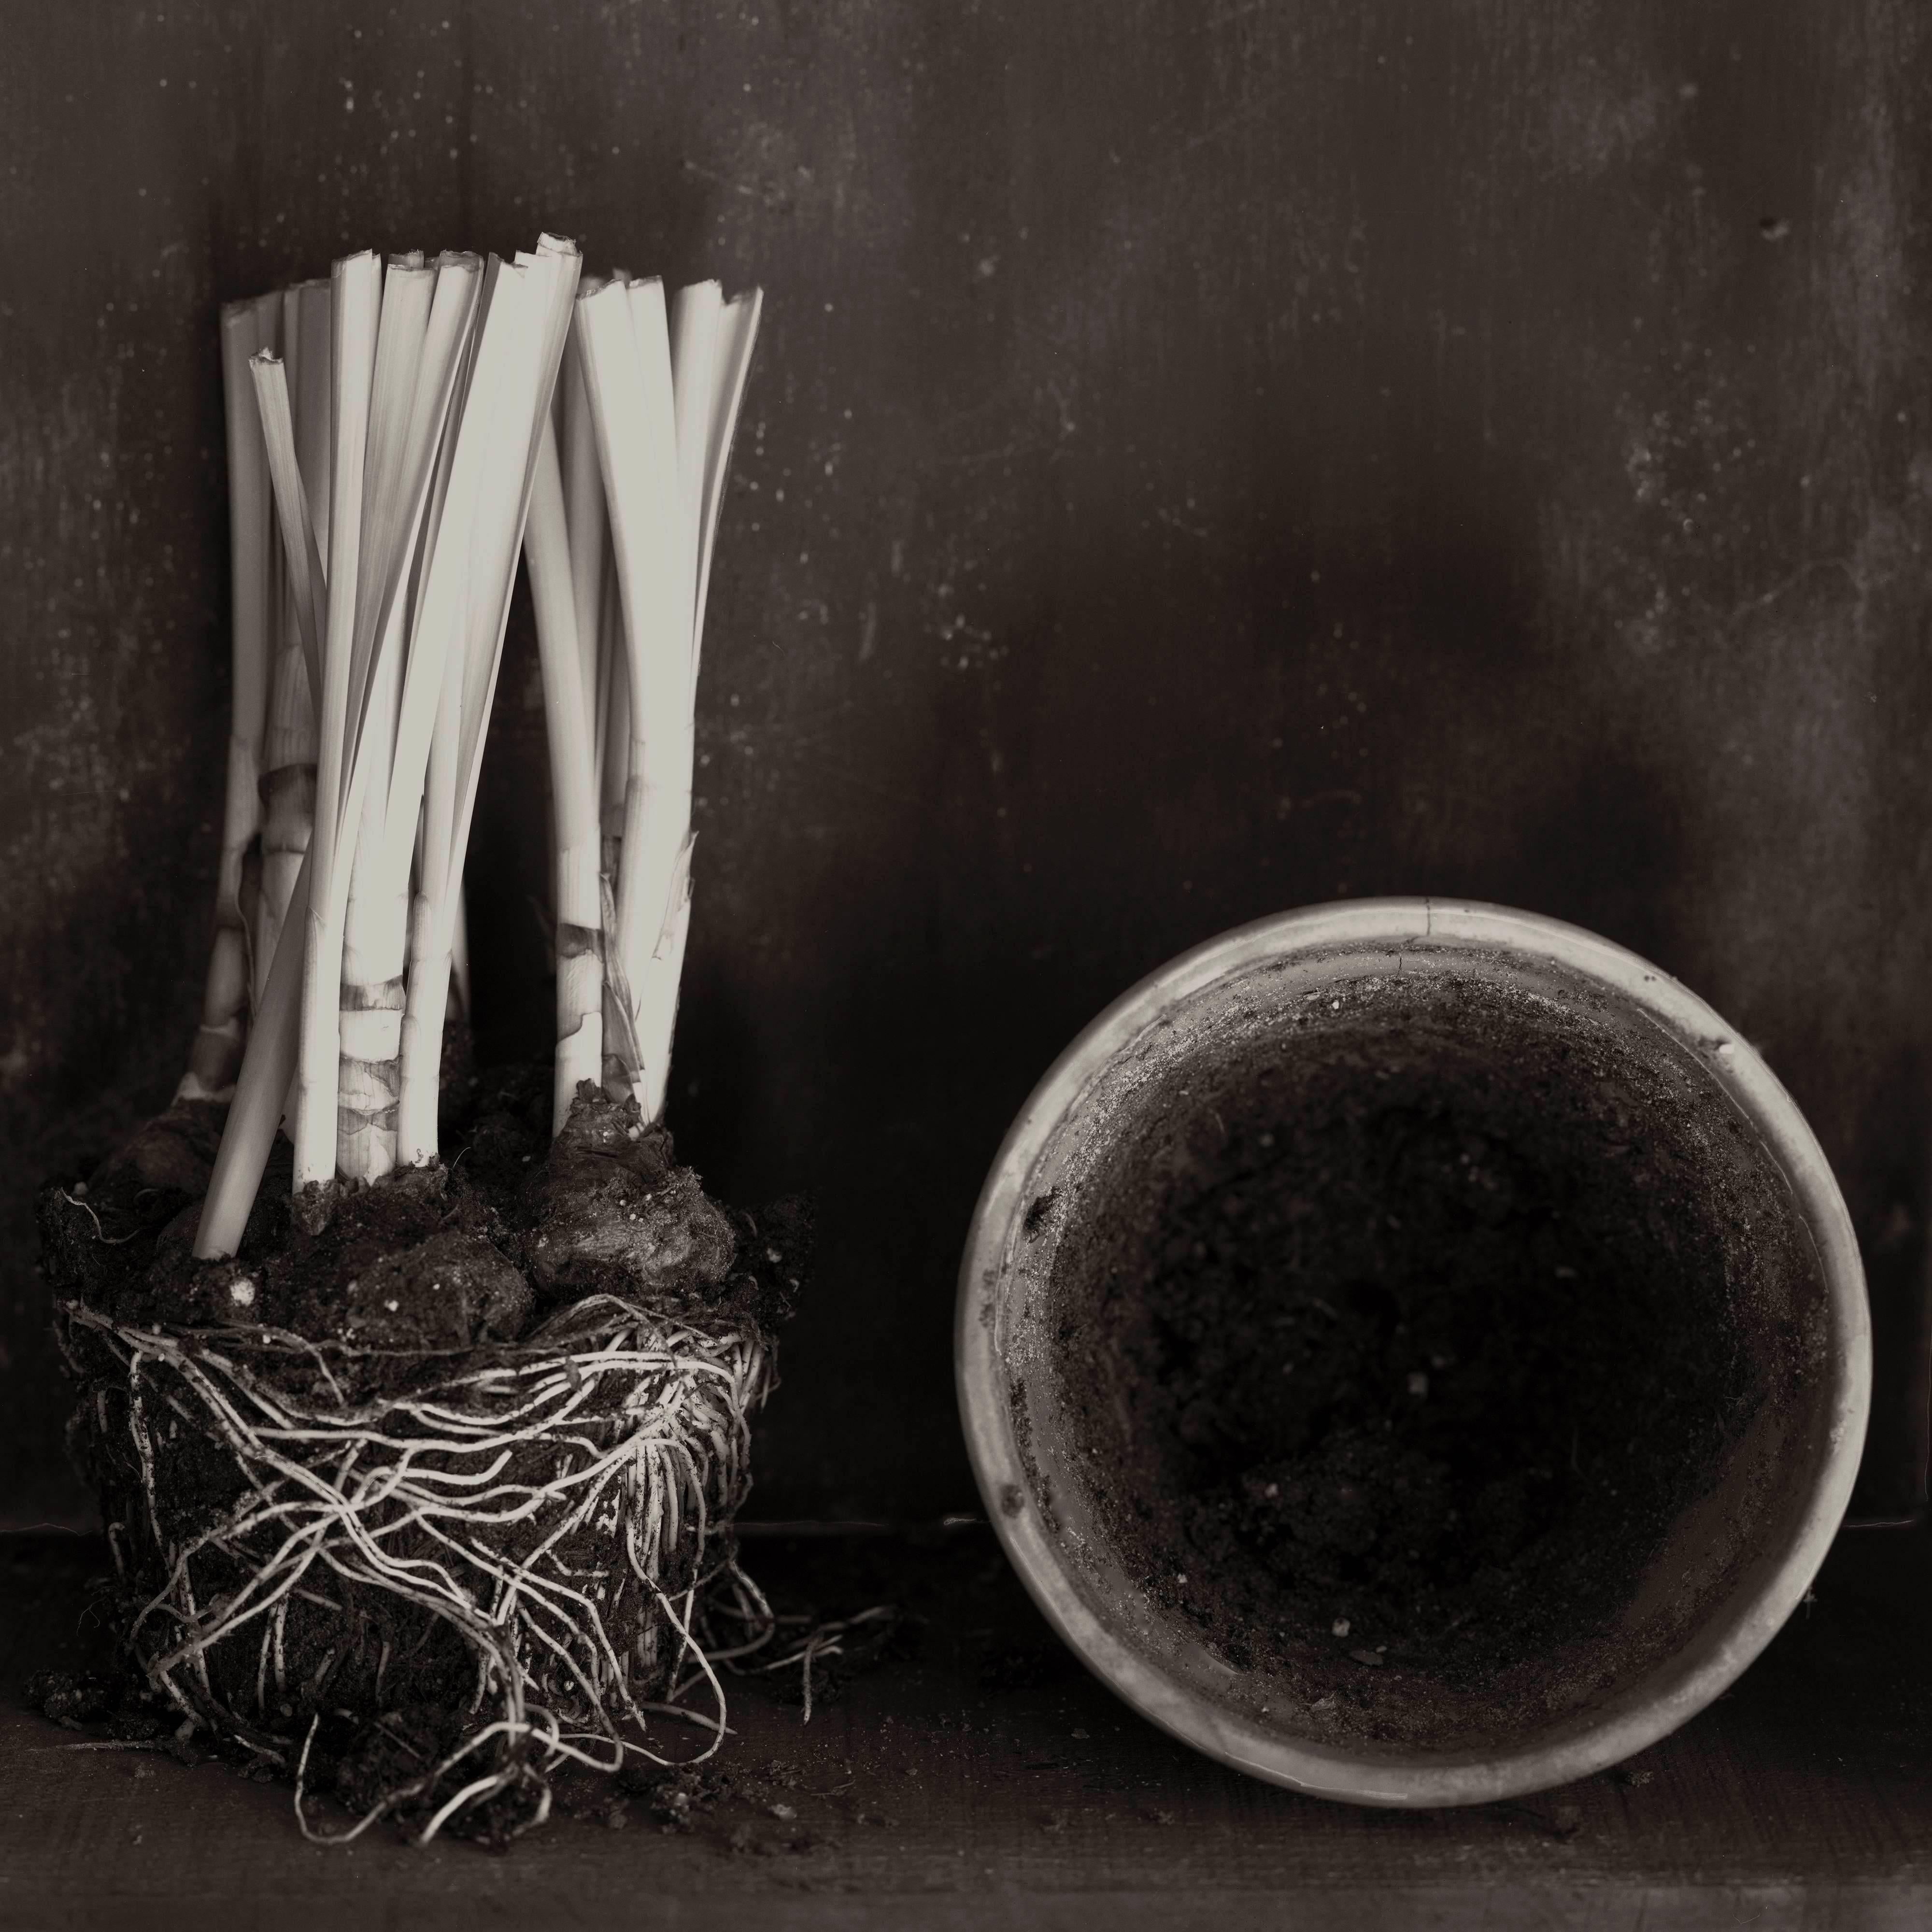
[[423, 1494]]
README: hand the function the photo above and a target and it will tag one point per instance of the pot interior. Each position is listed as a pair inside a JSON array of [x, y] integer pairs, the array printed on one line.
[[1417, 1360]]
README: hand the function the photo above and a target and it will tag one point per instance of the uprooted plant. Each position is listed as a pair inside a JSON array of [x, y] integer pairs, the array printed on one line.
[[419, 1477]]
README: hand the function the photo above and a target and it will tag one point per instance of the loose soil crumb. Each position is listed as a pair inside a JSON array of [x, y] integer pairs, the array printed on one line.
[[1413, 1349]]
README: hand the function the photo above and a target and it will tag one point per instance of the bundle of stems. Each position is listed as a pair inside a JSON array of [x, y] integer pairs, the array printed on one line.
[[440, 379], [628, 496], [414, 425]]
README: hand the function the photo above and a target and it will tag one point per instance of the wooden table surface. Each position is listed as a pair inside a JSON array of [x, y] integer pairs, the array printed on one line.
[[982, 1779]]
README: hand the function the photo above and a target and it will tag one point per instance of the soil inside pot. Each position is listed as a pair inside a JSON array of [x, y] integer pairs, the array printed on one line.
[[1400, 1342]]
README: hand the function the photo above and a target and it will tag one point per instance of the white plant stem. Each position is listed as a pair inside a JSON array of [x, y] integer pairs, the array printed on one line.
[[375, 936], [738, 337], [302, 565], [419, 1085], [624, 335], [216, 1057], [665, 394], [587, 523], [314, 364], [719, 369], [613, 769], [695, 319], [408, 394], [356, 284], [459, 629], [459, 956], [288, 803], [553, 271], [580, 970], [288, 744], [260, 1092]]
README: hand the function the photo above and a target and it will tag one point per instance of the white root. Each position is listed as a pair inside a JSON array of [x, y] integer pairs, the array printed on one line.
[[631, 1428]]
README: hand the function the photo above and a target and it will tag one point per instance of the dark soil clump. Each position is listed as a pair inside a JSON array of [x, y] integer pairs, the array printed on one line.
[[430, 1259]]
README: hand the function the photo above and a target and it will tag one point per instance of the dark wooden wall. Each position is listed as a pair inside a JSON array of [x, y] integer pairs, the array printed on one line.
[[1205, 456]]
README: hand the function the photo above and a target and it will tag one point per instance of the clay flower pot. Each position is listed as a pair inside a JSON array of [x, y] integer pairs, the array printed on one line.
[[1415, 1352]]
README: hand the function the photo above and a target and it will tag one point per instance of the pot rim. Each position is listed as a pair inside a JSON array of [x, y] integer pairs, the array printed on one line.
[[1715, 1657]]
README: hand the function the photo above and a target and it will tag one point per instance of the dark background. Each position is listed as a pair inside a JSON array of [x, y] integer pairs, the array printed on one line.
[[1205, 456]]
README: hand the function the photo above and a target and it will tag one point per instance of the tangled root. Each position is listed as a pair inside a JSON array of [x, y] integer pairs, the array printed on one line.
[[446, 1576]]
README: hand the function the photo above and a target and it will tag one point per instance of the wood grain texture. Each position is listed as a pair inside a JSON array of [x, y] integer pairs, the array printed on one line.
[[1202, 459], [987, 1781]]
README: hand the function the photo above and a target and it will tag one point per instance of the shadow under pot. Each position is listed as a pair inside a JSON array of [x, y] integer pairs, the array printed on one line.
[[1416, 1353]]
